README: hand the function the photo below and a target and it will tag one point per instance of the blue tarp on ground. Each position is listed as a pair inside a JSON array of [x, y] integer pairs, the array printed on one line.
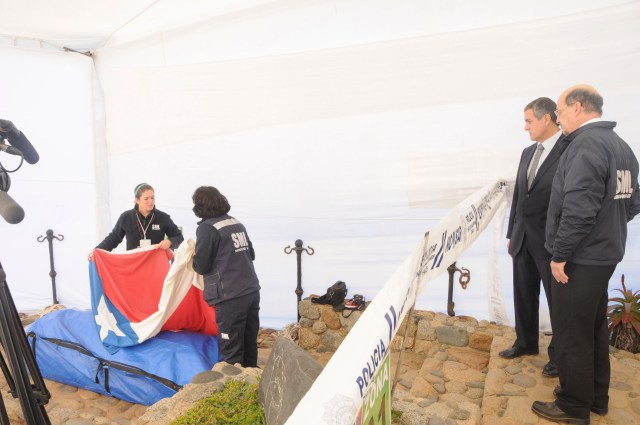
[[68, 349]]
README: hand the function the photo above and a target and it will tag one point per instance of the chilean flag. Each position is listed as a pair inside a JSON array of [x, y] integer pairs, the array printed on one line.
[[135, 295]]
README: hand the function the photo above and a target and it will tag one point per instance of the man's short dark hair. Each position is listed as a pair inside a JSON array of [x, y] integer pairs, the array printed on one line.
[[208, 202], [542, 106], [590, 100]]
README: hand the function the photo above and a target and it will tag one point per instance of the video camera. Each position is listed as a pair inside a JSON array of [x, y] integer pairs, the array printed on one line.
[[13, 142]]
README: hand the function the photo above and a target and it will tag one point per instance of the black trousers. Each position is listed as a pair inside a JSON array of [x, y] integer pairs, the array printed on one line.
[[238, 325], [528, 271], [582, 338]]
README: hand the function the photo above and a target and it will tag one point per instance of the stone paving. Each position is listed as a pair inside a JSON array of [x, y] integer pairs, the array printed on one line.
[[511, 386], [439, 383], [450, 386]]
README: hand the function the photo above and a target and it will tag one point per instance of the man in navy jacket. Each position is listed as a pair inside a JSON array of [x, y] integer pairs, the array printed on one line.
[[594, 194]]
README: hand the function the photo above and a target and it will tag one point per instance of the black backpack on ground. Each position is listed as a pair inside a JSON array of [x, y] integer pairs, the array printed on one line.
[[335, 295]]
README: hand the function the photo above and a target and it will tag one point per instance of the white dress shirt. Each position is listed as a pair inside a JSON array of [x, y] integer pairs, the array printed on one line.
[[548, 146]]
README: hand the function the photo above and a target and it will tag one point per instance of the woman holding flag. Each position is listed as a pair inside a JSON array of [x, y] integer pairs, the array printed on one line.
[[144, 225]]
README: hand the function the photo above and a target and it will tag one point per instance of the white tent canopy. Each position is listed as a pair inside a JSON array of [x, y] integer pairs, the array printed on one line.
[[352, 125]]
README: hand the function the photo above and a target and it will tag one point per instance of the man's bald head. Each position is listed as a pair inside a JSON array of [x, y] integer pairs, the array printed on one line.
[[587, 95], [577, 105]]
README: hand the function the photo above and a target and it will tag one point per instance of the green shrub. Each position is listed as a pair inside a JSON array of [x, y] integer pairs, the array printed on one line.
[[396, 415], [236, 404]]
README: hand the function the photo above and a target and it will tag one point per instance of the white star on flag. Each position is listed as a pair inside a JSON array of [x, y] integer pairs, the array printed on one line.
[[106, 321]]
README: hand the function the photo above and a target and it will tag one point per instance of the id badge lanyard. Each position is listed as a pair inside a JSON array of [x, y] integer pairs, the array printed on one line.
[[143, 230]]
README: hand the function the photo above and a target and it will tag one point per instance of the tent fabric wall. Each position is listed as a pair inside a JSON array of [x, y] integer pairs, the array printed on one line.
[[353, 125], [52, 97], [357, 145]]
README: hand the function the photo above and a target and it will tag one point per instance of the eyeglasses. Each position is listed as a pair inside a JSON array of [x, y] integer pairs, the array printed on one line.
[[557, 111]]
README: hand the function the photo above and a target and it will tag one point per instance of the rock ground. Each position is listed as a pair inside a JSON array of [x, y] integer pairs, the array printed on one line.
[[443, 384]]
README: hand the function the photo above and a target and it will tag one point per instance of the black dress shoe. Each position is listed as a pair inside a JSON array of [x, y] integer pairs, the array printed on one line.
[[513, 352], [550, 370], [597, 410], [551, 411]]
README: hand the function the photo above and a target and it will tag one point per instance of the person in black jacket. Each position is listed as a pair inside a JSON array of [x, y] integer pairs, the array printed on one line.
[[143, 225], [526, 231], [224, 256], [594, 194]]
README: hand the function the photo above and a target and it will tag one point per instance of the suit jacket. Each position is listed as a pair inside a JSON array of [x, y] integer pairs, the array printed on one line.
[[529, 207]]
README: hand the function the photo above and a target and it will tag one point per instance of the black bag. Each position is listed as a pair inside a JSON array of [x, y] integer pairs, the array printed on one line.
[[335, 295]]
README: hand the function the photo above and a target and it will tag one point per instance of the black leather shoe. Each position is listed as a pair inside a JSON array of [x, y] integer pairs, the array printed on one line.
[[513, 352], [552, 412], [550, 370], [597, 410]]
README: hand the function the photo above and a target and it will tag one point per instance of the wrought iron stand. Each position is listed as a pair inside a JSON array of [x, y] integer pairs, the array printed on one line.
[[52, 273], [298, 249], [465, 278]]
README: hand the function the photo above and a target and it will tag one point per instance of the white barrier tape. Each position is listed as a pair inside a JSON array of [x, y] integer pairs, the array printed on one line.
[[337, 394]]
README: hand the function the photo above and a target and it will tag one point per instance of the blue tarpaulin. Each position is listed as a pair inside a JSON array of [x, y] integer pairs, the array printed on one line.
[[68, 349]]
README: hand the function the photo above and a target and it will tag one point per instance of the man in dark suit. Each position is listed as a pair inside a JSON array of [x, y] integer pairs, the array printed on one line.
[[526, 232]]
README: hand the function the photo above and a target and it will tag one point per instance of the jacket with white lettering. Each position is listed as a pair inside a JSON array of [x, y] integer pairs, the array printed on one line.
[[593, 196], [134, 226], [224, 256]]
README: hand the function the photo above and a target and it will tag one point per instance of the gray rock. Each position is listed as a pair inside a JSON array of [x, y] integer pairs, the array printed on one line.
[[460, 414], [331, 340], [439, 388], [524, 381], [513, 369], [427, 402], [475, 384], [206, 376], [457, 337], [229, 369], [319, 327], [441, 355], [351, 319], [306, 323], [79, 421], [288, 375], [623, 386], [309, 310], [423, 329]]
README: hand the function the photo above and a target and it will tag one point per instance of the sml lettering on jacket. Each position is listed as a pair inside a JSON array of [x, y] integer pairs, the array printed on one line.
[[240, 241], [623, 185]]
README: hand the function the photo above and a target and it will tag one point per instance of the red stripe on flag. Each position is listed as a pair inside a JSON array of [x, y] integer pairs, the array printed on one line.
[[133, 281], [193, 314]]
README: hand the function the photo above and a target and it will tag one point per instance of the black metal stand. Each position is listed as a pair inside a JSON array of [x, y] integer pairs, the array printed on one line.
[[465, 278], [52, 273], [298, 249], [21, 368]]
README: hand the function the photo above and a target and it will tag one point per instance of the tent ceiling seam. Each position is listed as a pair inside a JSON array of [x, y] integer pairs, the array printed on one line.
[[136, 16]]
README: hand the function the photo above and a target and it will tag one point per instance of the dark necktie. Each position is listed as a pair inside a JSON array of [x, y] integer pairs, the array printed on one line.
[[534, 165]]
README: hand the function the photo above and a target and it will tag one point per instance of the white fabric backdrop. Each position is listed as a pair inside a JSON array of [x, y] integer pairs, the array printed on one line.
[[351, 125], [53, 99]]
